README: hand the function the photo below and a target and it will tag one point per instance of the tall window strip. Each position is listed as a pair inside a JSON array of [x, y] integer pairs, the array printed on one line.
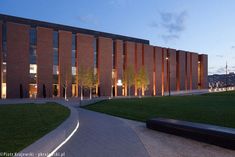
[[95, 48], [55, 63], [113, 68], [33, 63], [4, 59], [124, 54], [74, 64], [95, 55], [124, 89], [199, 72], [113, 55]]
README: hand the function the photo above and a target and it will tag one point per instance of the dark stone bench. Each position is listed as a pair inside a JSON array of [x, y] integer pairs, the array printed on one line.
[[220, 136]]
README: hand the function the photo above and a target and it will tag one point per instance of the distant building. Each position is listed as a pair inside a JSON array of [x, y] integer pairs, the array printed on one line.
[[39, 58], [221, 80]]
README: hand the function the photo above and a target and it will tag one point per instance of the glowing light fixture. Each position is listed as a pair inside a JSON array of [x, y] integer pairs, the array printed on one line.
[[119, 82]]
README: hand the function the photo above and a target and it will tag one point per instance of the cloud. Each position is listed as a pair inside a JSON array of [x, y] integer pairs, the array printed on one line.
[[172, 24], [232, 47], [87, 19]]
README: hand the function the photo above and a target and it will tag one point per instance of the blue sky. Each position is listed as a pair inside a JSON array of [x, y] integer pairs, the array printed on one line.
[[203, 26]]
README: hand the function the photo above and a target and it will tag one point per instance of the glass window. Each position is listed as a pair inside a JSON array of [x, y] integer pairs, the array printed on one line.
[[4, 37], [124, 53], [4, 90], [55, 70], [33, 68], [4, 70], [113, 54], [55, 56], [33, 36], [33, 78], [74, 41], [74, 71], [32, 55], [4, 32], [73, 57], [55, 39], [95, 52], [4, 51], [74, 79], [55, 79]]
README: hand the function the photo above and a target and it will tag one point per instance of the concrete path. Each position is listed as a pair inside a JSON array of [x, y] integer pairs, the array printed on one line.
[[160, 144], [100, 135]]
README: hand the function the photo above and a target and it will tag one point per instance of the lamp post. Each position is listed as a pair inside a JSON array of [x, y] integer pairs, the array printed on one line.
[[169, 75]]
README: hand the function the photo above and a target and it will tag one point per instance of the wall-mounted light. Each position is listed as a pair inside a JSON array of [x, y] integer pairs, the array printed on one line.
[[119, 82]]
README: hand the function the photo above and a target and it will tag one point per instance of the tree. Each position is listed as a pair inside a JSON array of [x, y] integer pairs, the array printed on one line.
[[81, 79], [65, 85], [89, 81], [142, 80], [129, 78]]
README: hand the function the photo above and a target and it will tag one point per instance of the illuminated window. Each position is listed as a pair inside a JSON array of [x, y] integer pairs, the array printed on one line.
[[33, 63], [55, 70], [74, 63], [55, 63], [33, 69], [4, 59]]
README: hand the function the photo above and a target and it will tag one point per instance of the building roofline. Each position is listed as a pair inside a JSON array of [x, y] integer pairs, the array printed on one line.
[[35, 23]]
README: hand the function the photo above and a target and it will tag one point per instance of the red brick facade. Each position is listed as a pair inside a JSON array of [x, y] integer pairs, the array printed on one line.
[[181, 73], [85, 53], [173, 69], [44, 61], [130, 62], [17, 60], [65, 55], [118, 66], [158, 66], [105, 50], [165, 68], [148, 64]]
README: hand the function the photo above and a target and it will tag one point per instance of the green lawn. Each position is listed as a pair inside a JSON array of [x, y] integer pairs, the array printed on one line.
[[22, 124], [218, 108]]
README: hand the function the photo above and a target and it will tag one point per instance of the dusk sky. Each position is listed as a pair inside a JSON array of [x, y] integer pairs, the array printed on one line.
[[203, 26]]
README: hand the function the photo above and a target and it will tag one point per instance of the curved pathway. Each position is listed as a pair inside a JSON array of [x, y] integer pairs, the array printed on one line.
[[102, 135]]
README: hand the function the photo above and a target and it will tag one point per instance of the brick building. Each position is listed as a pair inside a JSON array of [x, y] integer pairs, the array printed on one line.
[[40, 59]]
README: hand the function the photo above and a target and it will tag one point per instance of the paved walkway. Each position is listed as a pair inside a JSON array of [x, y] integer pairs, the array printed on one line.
[[101, 135], [160, 144]]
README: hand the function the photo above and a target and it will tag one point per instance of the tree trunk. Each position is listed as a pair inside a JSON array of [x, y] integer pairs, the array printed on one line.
[[129, 90], [139, 93], [90, 93], [65, 91], [81, 93]]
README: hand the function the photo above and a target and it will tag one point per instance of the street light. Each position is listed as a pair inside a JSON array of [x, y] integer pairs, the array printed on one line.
[[169, 75]]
